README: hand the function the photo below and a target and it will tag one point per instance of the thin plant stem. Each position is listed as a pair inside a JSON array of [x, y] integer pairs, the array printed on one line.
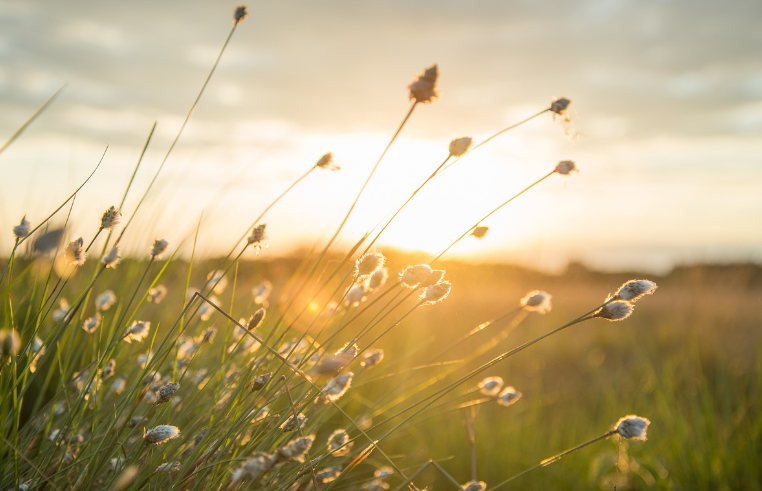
[[554, 458], [31, 119]]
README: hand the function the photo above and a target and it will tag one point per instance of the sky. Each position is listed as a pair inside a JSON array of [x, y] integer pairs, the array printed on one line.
[[666, 124]]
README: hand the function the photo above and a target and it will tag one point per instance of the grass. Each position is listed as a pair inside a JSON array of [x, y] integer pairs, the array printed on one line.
[[252, 409]]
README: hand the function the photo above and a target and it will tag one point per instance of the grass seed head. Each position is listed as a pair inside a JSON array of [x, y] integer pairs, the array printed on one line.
[[293, 424], [436, 293], [258, 236], [10, 343], [110, 218], [161, 434], [412, 276], [262, 291], [383, 472], [92, 323], [108, 369], [22, 229], [378, 279], [137, 331], [62, 311], [111, 259], [241, 12], [491, 386], [339, 444], [635, 289], [254, 467], [459, 146], [355, 295], [75, 253], [424, 87], [165, 393], [369, 263], [105, 300], [615, 311], [157, 294], [260, 382], [256, 319], [168, 467], [566, 167], [217, 281], [326, 162], [329, 474], [375, 485], [537, 301], [508, 397], [480, 232], [336, 387], [295, 449], [632, 427], [475, 486], [559, 106], [158, 248], [371, 358]]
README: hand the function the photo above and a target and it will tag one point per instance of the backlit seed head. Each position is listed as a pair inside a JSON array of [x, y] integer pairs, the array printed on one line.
[[260, 382], [292, 424], [105, 300], [110, 218], [108, 369], [22, 229], [137, 331], [615, 311], [10, 344], [424, 87], [436, 293], [168, 467], [369, 263], [559, 106], [165, 393], [635, 289], [118, 386], [111, 259], [491, 386], [413, 276], [337, 386], [326, 162], [475, 486], [632, 427], [480, 232], [37, 351], [459, 146], [92, 323], [62, 311], [339, 444], [160, 434], [157, 294], [261, 292], [383, 472], [566, 167], [329, 474], [378, 279], [295, 449], [256, 319], [158, 248], [258, 236], [254, 467], [241, 12], [508, 396], [434, 278], [375, 485], [355, 295], [371, 358], [537, 301], [75, 253]]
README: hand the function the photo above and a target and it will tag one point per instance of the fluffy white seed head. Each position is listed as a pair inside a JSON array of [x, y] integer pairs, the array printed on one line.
[[459, 146], [413, 276], [566, 167], [326, 162], [424, 87], [337, 386], [378, 279], [615, 311], [75, 252], [261, 292], [22, 229], [293, 424], [329, 474], [436, 293], [110, 218], [137, 331], [355, 295], [92, 323], [62, 311], [10, 343], [254, 467], [369, 263], [632, 427], [258, 237], [160, 434], [105, 300], [375, 485], [158, 248], [537, 301], [108, 369], [111, 259], [339, 444], [635, 289], [295, 449], [165, 393], [157, 294], [434, 278], [383, 472], [371, 358], [475, 486], [508, 396], [491, 386], [559, 106]]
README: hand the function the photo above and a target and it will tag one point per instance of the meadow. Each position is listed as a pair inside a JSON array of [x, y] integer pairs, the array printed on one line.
[[367, 368]]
